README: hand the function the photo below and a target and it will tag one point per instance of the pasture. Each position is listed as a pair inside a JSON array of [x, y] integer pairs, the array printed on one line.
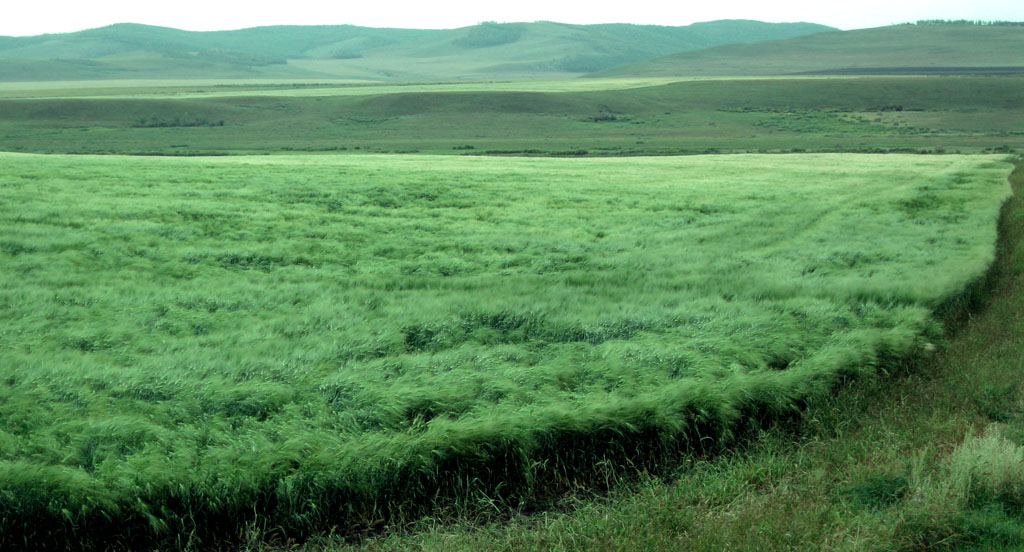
[[200, 345], [574, 118]]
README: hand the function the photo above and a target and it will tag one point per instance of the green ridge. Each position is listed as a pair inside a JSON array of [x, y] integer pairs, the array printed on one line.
[[486, 51], [913, 49]]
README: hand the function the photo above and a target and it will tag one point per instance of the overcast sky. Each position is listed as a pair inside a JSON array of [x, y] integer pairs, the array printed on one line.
[[30, 17]]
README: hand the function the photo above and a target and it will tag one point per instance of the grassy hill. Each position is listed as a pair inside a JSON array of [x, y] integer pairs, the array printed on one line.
[[489, 50], [276, 43], [543, 49], [130, 50], [908, 49]]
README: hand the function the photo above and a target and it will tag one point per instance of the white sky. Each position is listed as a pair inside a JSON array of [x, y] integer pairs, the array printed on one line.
[[20, 18]]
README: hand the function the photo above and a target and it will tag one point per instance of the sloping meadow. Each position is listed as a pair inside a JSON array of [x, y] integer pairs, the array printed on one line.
[[193, 347]]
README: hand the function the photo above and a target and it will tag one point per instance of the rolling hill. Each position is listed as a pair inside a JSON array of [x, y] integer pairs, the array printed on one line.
[[898, 49], [485, 51]]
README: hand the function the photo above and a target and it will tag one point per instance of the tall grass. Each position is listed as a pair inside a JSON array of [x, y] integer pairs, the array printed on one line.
[[904, 462], [198, 346]]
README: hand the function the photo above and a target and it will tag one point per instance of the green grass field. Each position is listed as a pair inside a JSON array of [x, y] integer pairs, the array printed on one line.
[[558, 326], [293, 344], [928, 457], [580, 117]]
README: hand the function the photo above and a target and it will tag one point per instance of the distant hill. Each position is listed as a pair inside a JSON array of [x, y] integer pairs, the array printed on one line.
[[129, 51], [544, 49], [899, 49], [485, 51], [278, 42]]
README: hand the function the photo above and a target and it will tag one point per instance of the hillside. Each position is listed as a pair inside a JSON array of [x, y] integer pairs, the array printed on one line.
[[130, 50], [907, 49], [543, 49], [488, 50], [276, 43]]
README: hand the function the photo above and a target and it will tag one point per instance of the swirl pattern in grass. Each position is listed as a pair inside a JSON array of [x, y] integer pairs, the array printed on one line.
[[192, 345]]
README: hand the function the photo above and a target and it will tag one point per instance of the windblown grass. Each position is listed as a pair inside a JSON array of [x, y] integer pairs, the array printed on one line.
[[305, 343], [905, 462]]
